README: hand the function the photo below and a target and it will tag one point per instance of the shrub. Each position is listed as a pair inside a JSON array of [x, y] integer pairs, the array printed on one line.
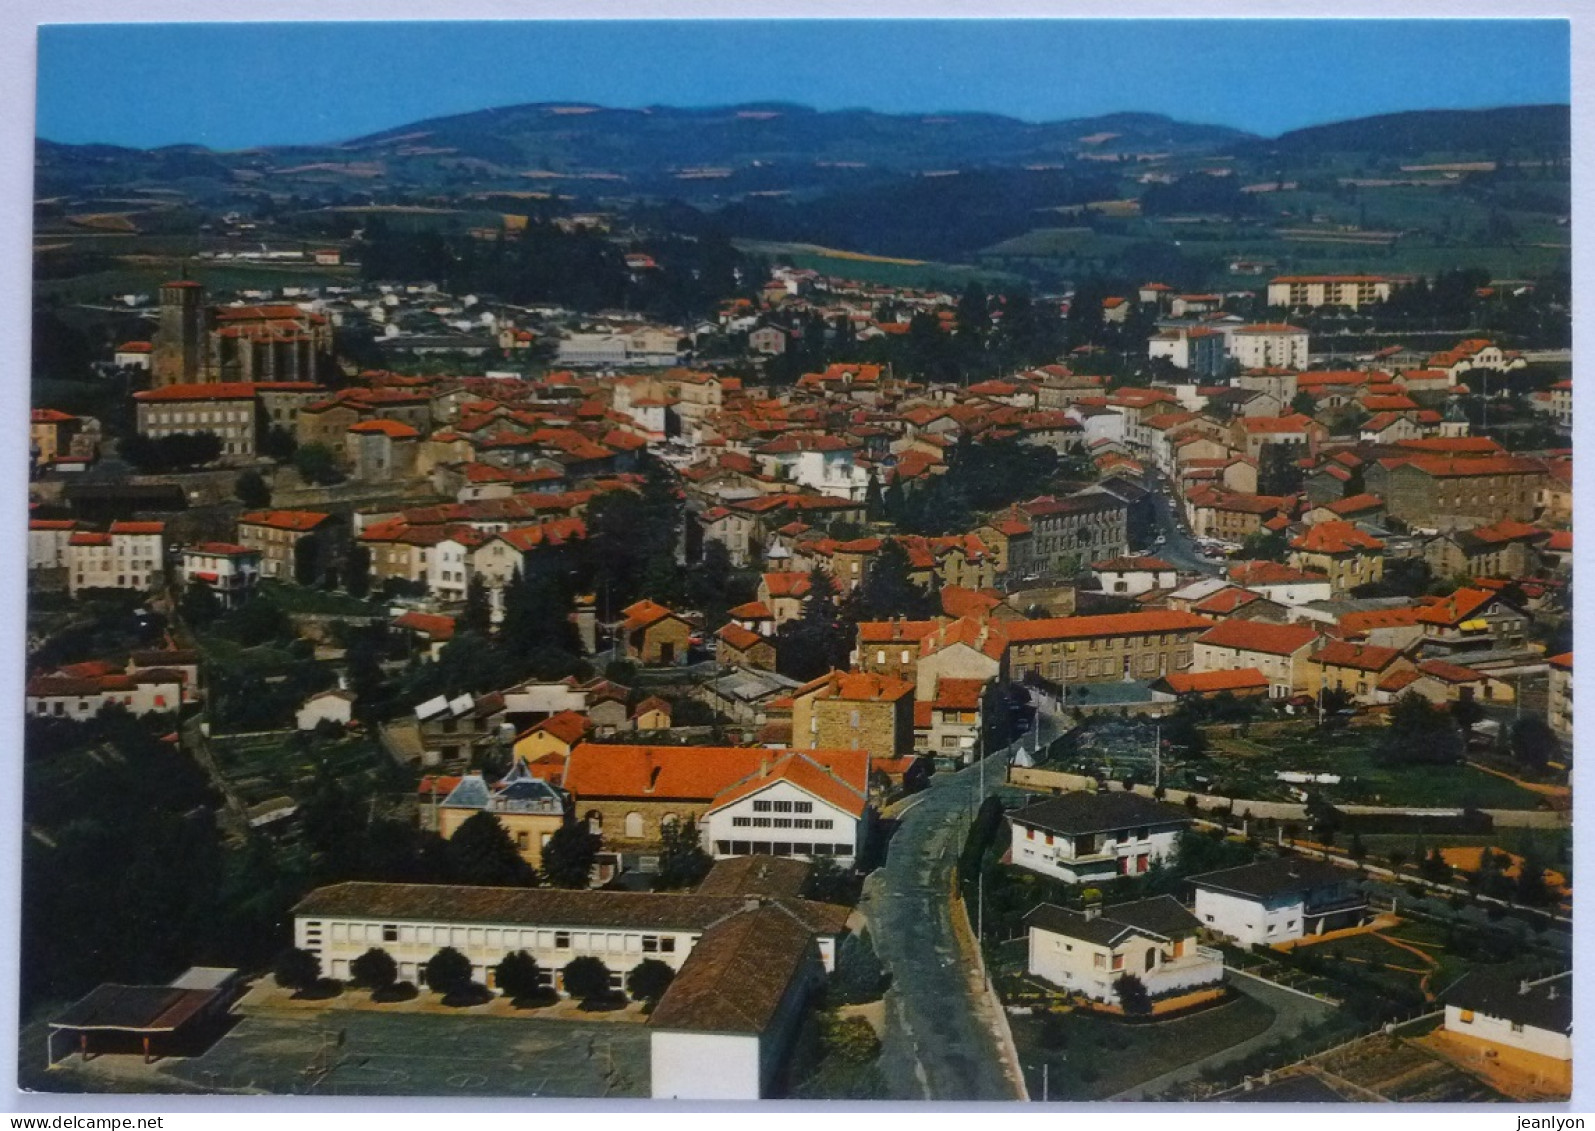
[[448, 972], [648, 980], [587, 978], [519, 976], [374, 970], [297, 969]]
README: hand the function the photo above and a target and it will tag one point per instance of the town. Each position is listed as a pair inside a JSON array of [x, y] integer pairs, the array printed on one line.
[[650, 664]]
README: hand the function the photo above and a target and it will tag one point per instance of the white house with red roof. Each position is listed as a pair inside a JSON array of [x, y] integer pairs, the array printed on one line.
[[1264, 344], [794, 805], [229, 570]]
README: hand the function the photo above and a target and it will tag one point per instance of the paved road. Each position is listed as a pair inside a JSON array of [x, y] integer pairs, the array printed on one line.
[[1292, 1012], [1178, 548], [938, 1044]]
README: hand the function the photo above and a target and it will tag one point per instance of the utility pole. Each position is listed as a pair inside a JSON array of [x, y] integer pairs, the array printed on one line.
[[1157, 757]]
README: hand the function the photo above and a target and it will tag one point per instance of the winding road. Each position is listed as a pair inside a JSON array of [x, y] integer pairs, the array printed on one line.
[[939, 1042]]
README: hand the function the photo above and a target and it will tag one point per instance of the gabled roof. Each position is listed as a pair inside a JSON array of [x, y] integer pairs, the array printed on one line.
[[673, 773], [1362, 657], [842, 783], [1160, 917], [1260, 636], [1211, 683], [1336, 537]]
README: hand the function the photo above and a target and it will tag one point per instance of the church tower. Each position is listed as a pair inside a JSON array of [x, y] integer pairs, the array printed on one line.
[[180, 341]]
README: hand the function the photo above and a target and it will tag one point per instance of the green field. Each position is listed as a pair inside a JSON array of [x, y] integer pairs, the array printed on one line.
[[146, 277], [1245, 765], [920, 275]]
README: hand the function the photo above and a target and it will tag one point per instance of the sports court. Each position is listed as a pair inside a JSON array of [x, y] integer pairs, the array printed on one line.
[[368, 1053]]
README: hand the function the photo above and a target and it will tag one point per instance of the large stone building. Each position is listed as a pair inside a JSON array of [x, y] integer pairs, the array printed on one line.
[[197, 344], [855, 711], [235, 412], [1102, 649], [1070, 533], [1444, 493]]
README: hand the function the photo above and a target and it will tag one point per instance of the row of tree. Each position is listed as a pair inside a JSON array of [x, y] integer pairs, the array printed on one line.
[[448, 972]]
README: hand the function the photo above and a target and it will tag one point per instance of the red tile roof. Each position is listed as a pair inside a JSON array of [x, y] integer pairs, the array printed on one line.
[[1110, 624], [1363, 657], [1210, 683], [1259, 636]]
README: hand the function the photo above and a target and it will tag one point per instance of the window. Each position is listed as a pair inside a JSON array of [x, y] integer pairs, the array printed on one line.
[[781, 806], [390, 933], [634, 826], [1118, 962], [761, 822], [761, 806], [1099, 961], [822, 822], [562, 940], [802, 806], [741, 822], [1517, 1026]]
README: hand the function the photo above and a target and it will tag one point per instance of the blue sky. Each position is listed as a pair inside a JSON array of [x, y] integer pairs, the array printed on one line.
[[238, 85]]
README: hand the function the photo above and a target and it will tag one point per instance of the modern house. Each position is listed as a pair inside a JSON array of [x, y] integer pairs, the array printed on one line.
[[1527, 1024], [1274, 901], [1092, 837], [1154, 939]]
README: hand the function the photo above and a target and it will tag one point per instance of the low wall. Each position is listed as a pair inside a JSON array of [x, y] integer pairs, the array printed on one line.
[[1057, 781]]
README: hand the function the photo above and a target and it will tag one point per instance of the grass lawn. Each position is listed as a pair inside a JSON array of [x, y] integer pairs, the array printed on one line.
[[1090, 1057]]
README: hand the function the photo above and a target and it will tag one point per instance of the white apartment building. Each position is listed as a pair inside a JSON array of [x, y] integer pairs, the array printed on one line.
[[1267, 345]]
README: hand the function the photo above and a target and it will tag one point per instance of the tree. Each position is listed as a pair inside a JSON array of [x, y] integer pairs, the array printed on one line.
[[1530, 887], [357, 571], [1420, 734], [587, 978], [317, 465], [448, 972], [307, 559], [1434, 868], [374, 970], [569, 855], [648, 981], [1534, 743], [519, 976], [888, 590], [481, 852], [277, 443], [250, 488], [478, 614], [1465, 712], [296, 969], [682, 861], [1132, 995], [199, 604]]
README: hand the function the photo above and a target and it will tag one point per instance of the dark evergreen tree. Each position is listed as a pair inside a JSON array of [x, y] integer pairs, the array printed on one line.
[[481, 852], [587, 979], [682, 861], [448, 972], [569, 855]]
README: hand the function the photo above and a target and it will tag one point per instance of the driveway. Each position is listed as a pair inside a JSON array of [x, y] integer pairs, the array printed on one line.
[[938, 1043], [1292, 1012]]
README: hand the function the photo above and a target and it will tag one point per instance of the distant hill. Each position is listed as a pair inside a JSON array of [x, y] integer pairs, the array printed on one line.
[[1538, 130], [580, 137]]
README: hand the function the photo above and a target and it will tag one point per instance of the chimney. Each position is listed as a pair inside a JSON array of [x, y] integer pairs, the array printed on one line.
[[1091, 910], [751, 903]]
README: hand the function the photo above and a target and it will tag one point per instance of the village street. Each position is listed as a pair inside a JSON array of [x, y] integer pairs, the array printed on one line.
[[938, 1043]]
